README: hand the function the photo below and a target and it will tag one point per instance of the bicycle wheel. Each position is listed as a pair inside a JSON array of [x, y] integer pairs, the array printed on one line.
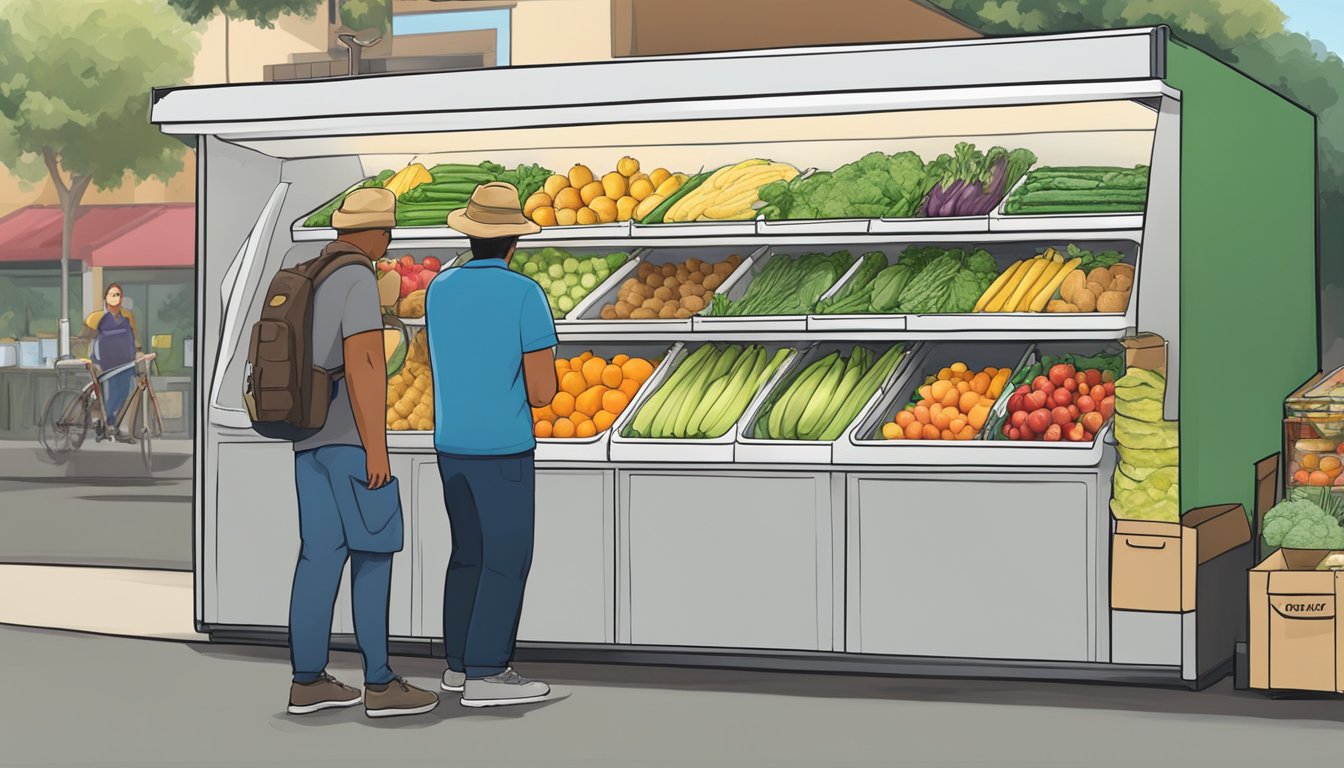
[[65, 422], [143, 424]]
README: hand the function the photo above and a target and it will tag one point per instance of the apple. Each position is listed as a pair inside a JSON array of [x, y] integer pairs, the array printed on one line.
[[1054, 433], [407, 261], [1087, 404], [1061, 416], [1062, 397], [431, 264], [409, 285], [424, 277]]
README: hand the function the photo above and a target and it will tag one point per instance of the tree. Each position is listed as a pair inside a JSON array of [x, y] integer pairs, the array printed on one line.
[[263, 13], [74, 99], [1249, 35]]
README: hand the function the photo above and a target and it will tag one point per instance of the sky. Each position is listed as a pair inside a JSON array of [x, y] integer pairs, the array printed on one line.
[[1321, 19]]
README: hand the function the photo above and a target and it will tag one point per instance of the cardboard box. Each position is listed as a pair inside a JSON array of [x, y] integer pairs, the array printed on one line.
[[1147, 351], [1295, 642], [1154, 564]]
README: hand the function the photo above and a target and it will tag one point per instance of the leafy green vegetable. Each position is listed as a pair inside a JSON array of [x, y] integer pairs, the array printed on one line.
[[874, 186], [1092, 260], [855, 293], [1300, 524], [786, 285]]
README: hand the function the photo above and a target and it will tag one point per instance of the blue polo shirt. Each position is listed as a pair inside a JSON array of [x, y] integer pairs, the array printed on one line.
[[482, 318]]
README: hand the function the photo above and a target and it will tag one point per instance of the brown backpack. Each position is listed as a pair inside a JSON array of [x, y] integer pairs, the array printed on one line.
[[286, 395]]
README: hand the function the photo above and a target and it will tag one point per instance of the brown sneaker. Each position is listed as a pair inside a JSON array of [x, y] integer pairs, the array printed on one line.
[[325, 693], [398, 698]]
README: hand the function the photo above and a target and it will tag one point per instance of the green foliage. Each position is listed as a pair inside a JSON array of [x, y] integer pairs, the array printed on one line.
[[261, 12], [76, 84], [1301, 524]]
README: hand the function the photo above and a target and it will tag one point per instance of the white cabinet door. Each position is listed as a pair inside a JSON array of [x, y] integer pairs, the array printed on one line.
[[970, 568], [728, 560], [570, 590]]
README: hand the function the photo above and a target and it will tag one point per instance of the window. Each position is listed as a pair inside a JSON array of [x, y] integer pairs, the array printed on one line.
[[448, 22]]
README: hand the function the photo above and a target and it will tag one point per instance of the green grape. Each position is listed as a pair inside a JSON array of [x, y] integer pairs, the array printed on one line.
[[565, 303], [571, 280], [588, 281], [557, 288], [531, 268], [571, 264], [586, 266], [578, 292], [556, 271]]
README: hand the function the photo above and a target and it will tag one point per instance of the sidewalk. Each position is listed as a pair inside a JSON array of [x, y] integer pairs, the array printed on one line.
[[157, 605], [26, 460]]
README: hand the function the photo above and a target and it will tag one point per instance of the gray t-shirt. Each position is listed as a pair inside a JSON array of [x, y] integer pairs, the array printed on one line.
[[346, 304]]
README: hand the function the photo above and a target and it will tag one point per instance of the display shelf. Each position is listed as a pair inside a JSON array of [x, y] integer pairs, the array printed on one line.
[[694, 229], [586, 317], [931, 225], [791, 227], [751, 448], [718, 449]]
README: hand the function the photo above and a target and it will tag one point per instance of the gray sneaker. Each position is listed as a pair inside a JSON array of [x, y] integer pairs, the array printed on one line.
[[507, 687], [453, 682], [324, 693]]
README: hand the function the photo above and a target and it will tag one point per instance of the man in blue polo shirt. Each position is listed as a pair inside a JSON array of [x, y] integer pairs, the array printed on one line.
[[492, 352]]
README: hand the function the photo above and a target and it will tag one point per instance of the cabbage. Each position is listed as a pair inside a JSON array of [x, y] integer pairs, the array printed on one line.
[[1132, 433], [1142, 409], [1150, 458]]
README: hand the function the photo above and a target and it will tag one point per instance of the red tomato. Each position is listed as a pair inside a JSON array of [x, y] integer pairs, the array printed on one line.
[[1088, 437], [425, 276], [1075, 433], [1024, 433], [1093, 377], [1098, 392], [1071, 385], [1036, 400], [1058, 373], [1054, 433], [1074, 413], [1042, 384], [1014, 434], [1107, 377], [1107, 408], [1061, 416], [1022, 390], [1092, 422], [1007, 430], [1109, 388], [1015, 403], [1063, 397], [432, 264], [409, 285], [407, 261], [1017, 419], [1086, 404], [1339, 449], [1039, 420]]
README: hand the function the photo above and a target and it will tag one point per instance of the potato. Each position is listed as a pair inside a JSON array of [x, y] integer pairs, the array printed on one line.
[[670, 270], [671, 283], [664, 293], [667, 312], [653, 303], [1100, 275], [683, 313], [1121, 282], [644, 271], [706, 269], [643, 314], [693, 264], [1073, 282], [609, 312], [693, 303], [1113, 301], [624, 308], [1085, 300], [687, 289], [713, 281], [1095, 287], [630, 283], [655, 280], [696, 278], [1122, 269], [724, 268]]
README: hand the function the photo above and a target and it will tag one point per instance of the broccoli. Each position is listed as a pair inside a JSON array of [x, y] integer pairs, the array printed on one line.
[[875, 185], [982, 262], [1301, 524]]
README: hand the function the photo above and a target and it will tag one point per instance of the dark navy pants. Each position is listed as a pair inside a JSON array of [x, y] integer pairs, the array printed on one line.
[[491, 503]]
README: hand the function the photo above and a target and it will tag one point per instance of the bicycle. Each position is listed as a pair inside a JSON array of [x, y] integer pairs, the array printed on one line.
[[70, 412]]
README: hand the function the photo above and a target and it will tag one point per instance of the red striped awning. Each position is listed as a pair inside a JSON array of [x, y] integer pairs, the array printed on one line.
[[125, 236]]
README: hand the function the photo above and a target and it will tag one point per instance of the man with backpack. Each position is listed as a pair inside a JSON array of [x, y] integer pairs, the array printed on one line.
[[318, 376], [500, 321]]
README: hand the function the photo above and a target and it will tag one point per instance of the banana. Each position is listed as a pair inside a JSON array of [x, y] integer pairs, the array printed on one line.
[[1043, 297], [1051, 269], [1006, 292], [998, 285], [726, 177], [1037, 267], [647, 205]]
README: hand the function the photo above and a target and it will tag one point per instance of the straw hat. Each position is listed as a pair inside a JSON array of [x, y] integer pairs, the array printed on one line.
[[369, 208], [493, 211]]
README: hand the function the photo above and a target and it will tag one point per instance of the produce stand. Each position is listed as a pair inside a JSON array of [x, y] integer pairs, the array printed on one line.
[[977, 558]]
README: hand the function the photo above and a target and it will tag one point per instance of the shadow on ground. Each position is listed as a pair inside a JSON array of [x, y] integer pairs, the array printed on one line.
[[1221, 700]]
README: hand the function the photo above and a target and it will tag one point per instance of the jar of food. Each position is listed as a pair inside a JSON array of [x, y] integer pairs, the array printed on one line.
[[1316, 462]]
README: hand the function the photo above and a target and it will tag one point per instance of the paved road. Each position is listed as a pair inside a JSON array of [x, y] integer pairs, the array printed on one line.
[[88, 700], [101, 508]]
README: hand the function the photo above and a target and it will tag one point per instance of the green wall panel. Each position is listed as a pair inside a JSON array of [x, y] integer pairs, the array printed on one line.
[[1248, 272]]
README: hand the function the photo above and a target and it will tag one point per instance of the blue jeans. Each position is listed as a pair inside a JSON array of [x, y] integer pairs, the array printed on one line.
[[491, 503], [340, 518], [115, 391]]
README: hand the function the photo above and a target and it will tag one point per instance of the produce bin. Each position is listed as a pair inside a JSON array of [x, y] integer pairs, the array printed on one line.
[[753, 449], [1035, 354], [594, 449], [586, 317], [862, 445], [864, 322], [1067, 222], [769, 323], [708, 450], [1106, 324]]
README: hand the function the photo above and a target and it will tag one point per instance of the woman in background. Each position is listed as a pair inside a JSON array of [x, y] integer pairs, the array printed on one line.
[[115, 333]]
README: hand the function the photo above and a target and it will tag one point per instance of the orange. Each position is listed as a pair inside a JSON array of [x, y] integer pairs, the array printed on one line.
[[562, 366], [543, 414], [586, 429], [590, 402], [976, 418], [619, 359], [637, 369], [576, 363], [967, 401], [629, 387], [603, 420], [592, 371], [930, 432], [563, 404], [614, 401], [892, 432], [612, 376], [586, 356], [578, 417], [563, 428], [573, 383], [914, 431], [905, 419], [542, 429]]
